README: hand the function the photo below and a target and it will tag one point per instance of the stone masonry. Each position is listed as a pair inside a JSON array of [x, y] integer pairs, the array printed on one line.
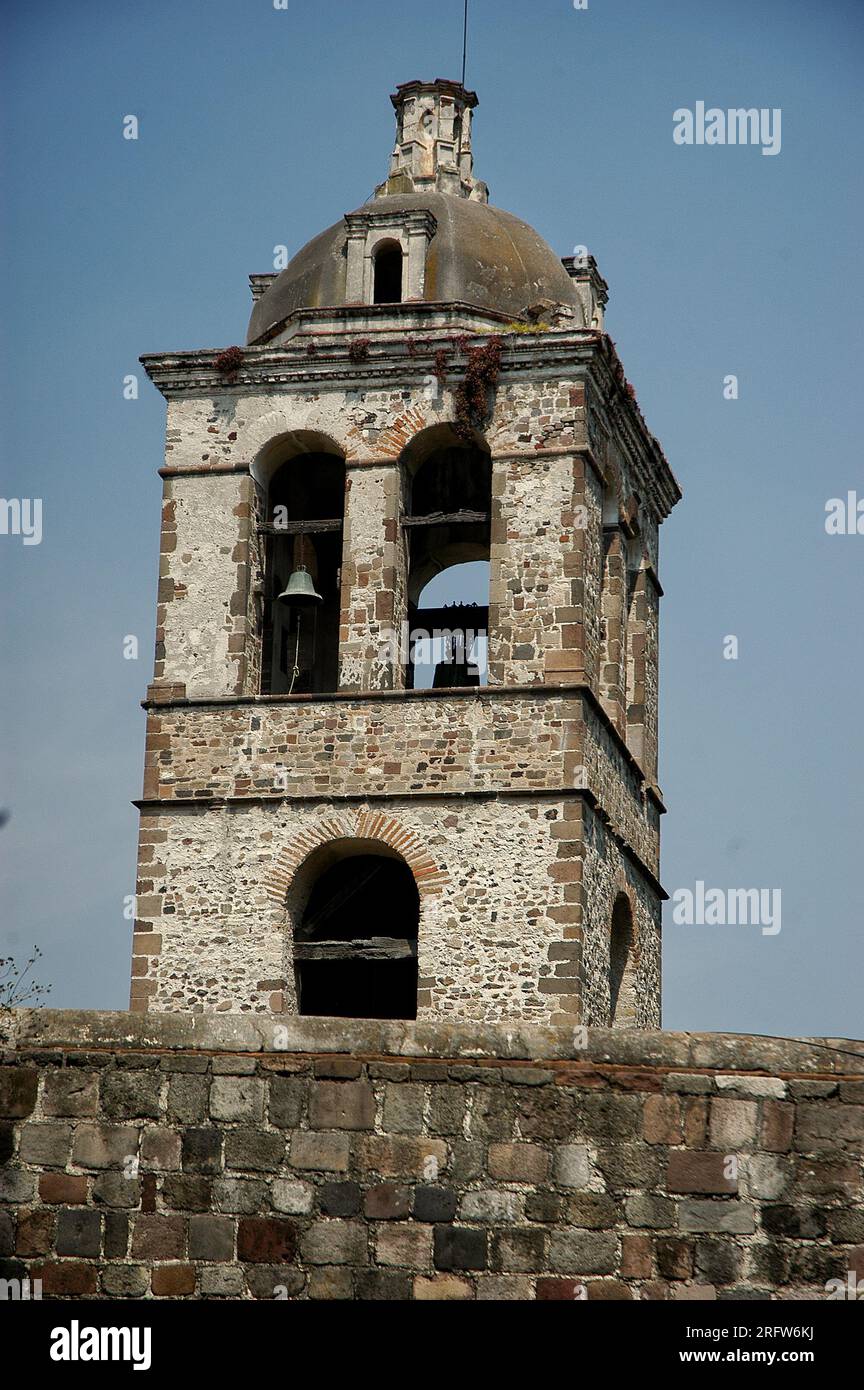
[[184, 1156], [532, 802]]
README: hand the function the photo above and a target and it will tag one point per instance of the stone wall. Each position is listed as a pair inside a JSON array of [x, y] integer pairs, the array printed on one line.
[[181, 1156], [235, 780], [510, 888]]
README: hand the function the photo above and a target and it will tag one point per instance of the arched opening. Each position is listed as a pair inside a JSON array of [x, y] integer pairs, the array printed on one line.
[[355, 940], [388, 273], [459, 654], [447, 499], [622, 966], [305, 501]]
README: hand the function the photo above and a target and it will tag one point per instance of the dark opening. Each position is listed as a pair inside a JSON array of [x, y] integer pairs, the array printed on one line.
[[447, 523], [388, 274], [355, 950], [622, 999], [305, 505]]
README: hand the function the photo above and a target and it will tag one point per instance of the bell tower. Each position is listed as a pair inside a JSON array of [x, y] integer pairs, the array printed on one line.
[[401, 754]]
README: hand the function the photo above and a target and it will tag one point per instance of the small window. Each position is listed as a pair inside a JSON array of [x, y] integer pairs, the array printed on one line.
[[622, 966], [388, 274]]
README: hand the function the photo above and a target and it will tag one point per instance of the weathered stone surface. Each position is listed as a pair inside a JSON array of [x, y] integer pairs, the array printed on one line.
[[336, 1243], [294, 1198], [18, 1087], [104, 1145], [572, 1166], [131, 1095], [159, 1237], [342, 1105], [459, 1248], [79, 1232], [582, 1252], [71, 1092], [125, 1281], [211, 1238], [266, 1240], [328, 1152], [518, 1162], [237, 1098], [732, 1216], [491, 1212], [45, 1145]]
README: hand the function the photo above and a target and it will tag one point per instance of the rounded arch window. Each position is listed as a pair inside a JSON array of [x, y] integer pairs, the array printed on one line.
[[622, 966], [447, 500], [303, 508], [355, 937], [388, 273]]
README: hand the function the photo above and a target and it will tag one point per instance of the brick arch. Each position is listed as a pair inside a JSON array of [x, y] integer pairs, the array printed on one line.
[[364, 825], [292, 429]]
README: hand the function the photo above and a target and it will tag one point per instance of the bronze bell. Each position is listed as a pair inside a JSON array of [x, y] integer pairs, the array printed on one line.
[[300, 592]]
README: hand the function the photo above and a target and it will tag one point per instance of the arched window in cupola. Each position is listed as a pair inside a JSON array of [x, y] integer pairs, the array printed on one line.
[[388, 273]]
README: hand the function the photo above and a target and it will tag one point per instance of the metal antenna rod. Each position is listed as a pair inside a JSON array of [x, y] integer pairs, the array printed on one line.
[[464, 66]]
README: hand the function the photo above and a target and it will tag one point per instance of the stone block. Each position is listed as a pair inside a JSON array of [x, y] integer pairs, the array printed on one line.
[[79, 1232], [405, 1245], [518, 1162], [734, 1217], [293, 1198], [266, 1240], [571, 1166], [103, 1145], [18, 1088], [458, 1247], [238, 1098], [173, 1281], [342, 1105], [441, 1288], [131, 1095], [71, 1092], [690, 1171], [211, 1238], [434, 1203], [45, 1145], [329, 1153], [159, 1237], [582, 1252], [335, 1243]]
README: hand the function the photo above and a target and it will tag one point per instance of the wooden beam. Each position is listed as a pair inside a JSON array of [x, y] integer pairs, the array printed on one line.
[[446, 519], [300, 528], [374, 948]]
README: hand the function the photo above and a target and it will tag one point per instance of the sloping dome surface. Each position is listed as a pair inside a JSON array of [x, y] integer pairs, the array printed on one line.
[[479, 255]]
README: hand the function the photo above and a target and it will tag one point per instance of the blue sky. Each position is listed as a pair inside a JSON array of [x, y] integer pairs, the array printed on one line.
[[260, 127]]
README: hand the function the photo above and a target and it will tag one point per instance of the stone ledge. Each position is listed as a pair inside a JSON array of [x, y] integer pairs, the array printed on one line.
[[45, 1029]]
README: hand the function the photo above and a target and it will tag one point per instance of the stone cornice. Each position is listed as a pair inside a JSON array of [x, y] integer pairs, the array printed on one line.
[[91, 1030], [577, 352]]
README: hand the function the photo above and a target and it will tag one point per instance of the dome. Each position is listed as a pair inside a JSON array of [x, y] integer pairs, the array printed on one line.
[[479, 255]]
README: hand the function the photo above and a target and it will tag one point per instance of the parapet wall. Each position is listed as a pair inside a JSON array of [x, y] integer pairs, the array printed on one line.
[[200, 1156]]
